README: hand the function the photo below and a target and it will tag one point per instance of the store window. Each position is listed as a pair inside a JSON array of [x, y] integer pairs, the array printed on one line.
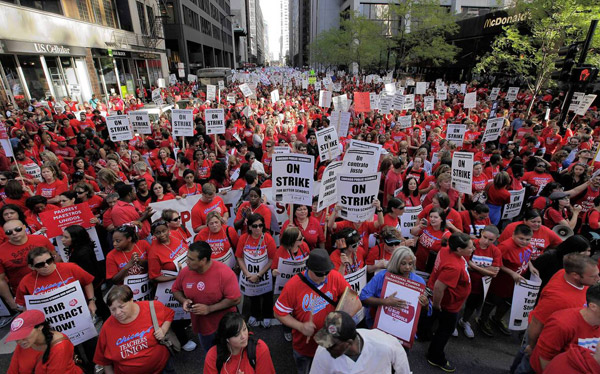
[[52, 6], [33, 72], [142, 17], [106, 72], [125, 77], [56, 78], [12, 76]]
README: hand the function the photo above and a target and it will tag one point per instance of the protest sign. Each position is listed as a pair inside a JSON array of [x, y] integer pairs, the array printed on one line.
[[405, 122], [324, 99], [181, 73], [428, 103], [453, 88], [231, 98], [456, 133], [182, 206], [165, 296], [140, 285], [390, 89], [356, 194], [365, 145], [492, 129], [66, 310], [97, 246], [400, 322], [470, 100], [512, 209], [360, 161], [5, 141], [317, 86], [362, 102], [512, 93], [215, 121], [328, 141], [439, 83], [281, 149], [409, 102], [442, 93], [585, 104], [192, 78], [328, 187], [486, 280], [385, 104], [421, 88], [4, 311], [409, 219], [523, 302], [246, 90], [374, 100], [274, 96], [119, 128], [55, 221], [462, 172], [156, 97], [577, 97], [172, 79], [399, 100], [182, 122], [287, 269], [494, 93], [254, 264], [140, 122], [211, 92], [341, 103], [357, 279], [293, 178], [463, 88]]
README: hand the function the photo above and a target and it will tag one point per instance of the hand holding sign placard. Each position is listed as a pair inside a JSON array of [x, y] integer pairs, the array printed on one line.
[[356, 195], [492, 129]]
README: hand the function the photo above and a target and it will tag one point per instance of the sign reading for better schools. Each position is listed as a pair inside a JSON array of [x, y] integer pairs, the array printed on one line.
[[356, 195], [293, 178], [140, 122], [327, 139], [462, 172], [119, 128], [183, 122], [215, 121]]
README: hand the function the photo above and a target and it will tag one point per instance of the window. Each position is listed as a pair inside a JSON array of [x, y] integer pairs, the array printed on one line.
[[190, 18], [84, 12], [151, 19], [205, 26], [216, 32], [52, 6], [109, 13], [214, 12], [142, 17], [170, 13], [204, 5]]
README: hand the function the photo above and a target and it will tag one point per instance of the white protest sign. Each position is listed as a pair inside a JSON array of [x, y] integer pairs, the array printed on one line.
[[140, 285], [274, 96], [356, 194], [328, 141], [231, 98], [360, 161], [428, 103], [523, 301], [374, 101], [181, 73], [221, 85], [456, 133], [182, 206], [399, 101], [182, 121], [281, 149], [254, 264], [512, 93], [357, 280], [119, 128], [156, 97], [494, 93], [342, 123], [390, 89], [486, 280], [165, 296], [421, 88], [513, 208], [442, 93], [341, 103], [577, 97], [34, 170], [215, 121], [409, 219], [405, 122], [246, 90], [462, 172], [328, 187], [386, 104], [287, 269], [211, 92], [439, 83], [192, 78], [293, 178], [324, 99], [140, 122], [409, 102], [492, 129], [400, 322], [66, 310], [585, 104], [463, 88], [470, 100], [60, 248]]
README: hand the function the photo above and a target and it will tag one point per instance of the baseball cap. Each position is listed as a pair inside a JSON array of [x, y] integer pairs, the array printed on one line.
[[24, 323], [338, 326], [557, 195], [319, 261], [61, 139]]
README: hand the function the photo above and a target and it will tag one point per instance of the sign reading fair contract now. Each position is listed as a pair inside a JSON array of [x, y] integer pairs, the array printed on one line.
[[293, 178]]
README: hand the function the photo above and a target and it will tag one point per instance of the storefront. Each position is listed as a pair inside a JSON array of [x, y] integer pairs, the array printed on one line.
[[31, 70]]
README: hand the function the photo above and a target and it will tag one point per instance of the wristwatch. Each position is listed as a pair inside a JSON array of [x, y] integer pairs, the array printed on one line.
[[378, 210], [92, 299]]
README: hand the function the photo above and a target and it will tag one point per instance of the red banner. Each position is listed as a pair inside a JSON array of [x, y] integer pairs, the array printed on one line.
[[362, 102], [57, 220]]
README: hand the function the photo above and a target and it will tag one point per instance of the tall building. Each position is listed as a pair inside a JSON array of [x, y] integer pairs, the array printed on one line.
[[78, 48], [285, 35], [240, 31]]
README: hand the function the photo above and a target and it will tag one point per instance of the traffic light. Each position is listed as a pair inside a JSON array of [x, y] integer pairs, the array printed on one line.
[[565, 62], [584, 74]]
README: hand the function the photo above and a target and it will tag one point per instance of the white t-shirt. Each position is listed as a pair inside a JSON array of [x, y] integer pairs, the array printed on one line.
[[380, 353]]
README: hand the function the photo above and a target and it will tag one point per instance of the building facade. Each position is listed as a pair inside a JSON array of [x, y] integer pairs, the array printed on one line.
[[285, 35], [78, 48]]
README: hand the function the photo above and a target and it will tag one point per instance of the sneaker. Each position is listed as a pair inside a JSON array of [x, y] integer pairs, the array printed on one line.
[[253, 322], [502, 326], [447, 366], [287, 336], [266, 323], [455, 333], [98, 369], [6, 320], [189, 346], [466, 326], [486, 327]]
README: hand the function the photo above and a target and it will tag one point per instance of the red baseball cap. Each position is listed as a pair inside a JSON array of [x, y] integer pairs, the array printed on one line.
[[61, 139], [24, 323]]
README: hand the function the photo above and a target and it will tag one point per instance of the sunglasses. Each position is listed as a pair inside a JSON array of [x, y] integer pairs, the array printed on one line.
[[321, 274], [257, 226], [401, 207], [16, 229], [174, 219], [80, 192], [43, 264], [392, 243], [3, 179]]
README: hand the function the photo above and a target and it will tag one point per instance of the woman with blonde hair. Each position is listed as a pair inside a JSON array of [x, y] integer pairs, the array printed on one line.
[[108, 179]]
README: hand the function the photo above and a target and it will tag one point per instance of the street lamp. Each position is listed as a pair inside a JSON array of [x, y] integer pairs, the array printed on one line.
[[223, 16]]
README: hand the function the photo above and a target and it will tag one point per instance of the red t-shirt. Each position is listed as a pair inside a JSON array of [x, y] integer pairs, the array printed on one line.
[[429, 240], [491, 256], [575, 360], [116, 260], [497, 196], [300, 301], [557, 295], [219, 282], [51, 190], [313, 234], [162, 256], [219, 242], [185, 191], [283, 253], [237, 364], [13, 258], [453, 216], [262, 209], [248, 243], [358, 260], [516, 259], [542, 239], [94, 203], [123, 213], [537, 180], [60, 360], [451, 269], [587, 201], [65, 273], [201, 209], [131, 348]]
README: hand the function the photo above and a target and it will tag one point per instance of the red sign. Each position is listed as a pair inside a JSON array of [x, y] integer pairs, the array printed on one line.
[[362, 102], [56, 221]]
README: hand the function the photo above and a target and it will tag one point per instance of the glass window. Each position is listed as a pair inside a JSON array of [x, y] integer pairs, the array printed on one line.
[[58, 84], [170, 13], [34, 76], [109, 12], [142, 17], [106, 68], [84, 12], [151, 20], [216, 32], [12, 76], [52, 6]]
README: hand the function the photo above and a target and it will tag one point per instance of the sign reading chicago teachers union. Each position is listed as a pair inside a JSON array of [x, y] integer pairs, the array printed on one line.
[[293, 178]]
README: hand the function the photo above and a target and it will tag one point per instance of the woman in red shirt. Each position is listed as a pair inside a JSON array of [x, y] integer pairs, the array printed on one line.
[[293, 248], [129, 256], [497, 195], [309, 226], [252, 206], [16, 194], [163, 165], [433, 236], [180, 167], [350, 256], [158, 192], [51, 187], [200, 165], [444, 184], [85, 194], [190, 188], [559, 213], [223, 239], [410, 192]]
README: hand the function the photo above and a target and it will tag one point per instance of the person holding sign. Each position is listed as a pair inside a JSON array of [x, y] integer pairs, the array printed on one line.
[[444, 184], [129, 256], [255, 252], [128, 343], [223, 239], [309, 226], [498, 195], [543, 237], [389, 239], [349, 257], [39, 348], [402, 263], [433, 235]]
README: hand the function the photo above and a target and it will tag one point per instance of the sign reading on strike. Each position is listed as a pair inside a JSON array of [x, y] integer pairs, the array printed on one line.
[[492, 129], [183, 122], [356, 195], [119, 128], [456, 133], [57, 220], [293, 178], [512, 93], [156, 97], [327, 139], [215, 121], [512, 209], [494, 93], [462, 172], [140, 122]]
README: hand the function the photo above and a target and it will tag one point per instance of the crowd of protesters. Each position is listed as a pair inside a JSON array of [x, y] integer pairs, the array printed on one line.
[[63, 156]]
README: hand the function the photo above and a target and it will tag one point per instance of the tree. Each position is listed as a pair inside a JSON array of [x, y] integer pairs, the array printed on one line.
[[528, 50], [421, 39]]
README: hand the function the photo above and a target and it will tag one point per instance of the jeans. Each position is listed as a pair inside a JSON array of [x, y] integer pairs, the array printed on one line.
[[303, 363], [446, 325], [521, 364], [207, 341], [169, 367]]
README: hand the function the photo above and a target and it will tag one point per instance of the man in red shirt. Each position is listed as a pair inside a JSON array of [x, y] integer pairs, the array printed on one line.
[[538, 178], [207, 289], [575, 361], [207, 203], [451, 286], [129, 210], [393, 180]]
